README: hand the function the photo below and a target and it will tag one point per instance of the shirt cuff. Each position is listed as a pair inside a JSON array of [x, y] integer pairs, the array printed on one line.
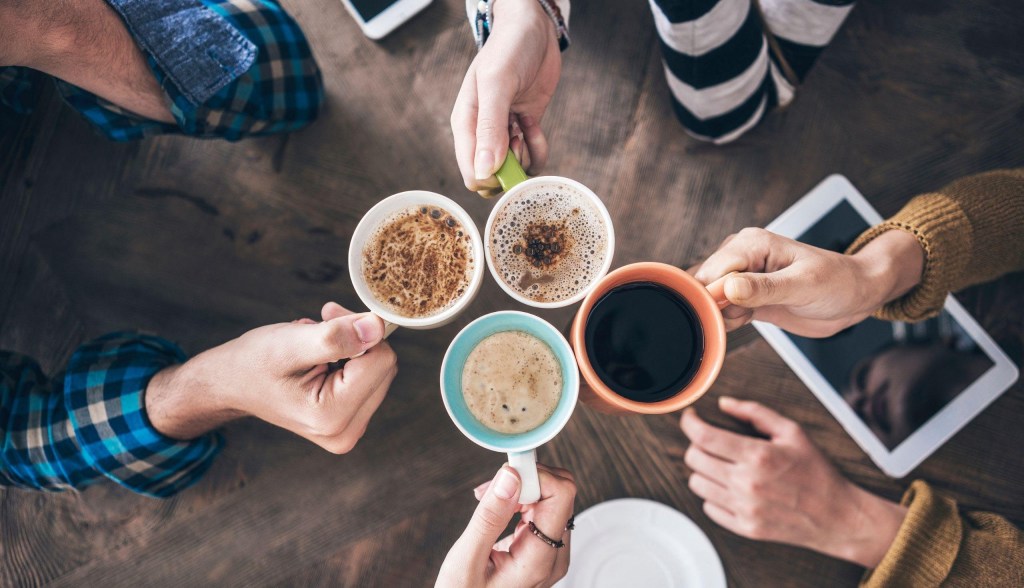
[[944, 232], [104, 395], [926, 544]]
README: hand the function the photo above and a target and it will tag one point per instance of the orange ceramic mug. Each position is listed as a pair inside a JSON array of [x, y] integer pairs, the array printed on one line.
[[706, 303]]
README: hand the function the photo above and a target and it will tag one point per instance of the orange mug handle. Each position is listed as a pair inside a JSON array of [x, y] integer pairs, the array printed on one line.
[[717, 291]]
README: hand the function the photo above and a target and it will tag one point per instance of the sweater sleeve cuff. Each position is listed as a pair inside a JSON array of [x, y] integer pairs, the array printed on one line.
[[103, 391], [944, 232], [925, 546]]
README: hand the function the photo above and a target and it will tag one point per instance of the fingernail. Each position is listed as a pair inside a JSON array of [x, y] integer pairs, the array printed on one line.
[[726, 400], [505, 484], [484, 164], [369, 329], [738, 289]]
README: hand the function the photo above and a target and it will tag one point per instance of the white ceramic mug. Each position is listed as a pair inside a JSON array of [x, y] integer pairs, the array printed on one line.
[[516, 185], [379, 214]]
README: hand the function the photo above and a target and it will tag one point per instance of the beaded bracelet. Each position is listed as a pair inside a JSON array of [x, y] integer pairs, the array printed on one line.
[[482, 24]]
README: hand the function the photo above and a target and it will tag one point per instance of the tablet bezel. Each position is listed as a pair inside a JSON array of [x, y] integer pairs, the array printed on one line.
[[898, 462]]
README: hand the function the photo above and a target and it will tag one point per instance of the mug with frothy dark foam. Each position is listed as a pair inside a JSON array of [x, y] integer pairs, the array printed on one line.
[[548, 240]]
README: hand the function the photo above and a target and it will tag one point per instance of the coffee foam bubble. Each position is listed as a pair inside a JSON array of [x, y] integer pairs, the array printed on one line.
[[418, 262], [548, 243]]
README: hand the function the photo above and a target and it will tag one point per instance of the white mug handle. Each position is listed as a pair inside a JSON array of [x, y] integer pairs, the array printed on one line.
[[525, 463]]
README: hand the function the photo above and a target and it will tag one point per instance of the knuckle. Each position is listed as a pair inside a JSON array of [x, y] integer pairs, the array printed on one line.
[[487, 126], [754, 529], [491, 518], [342, 444], [761, 458]]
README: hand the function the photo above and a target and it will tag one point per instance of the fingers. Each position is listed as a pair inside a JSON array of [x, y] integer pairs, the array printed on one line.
[[549, 514], [494, 103], [722, 516], [754, 290], [706, 488], [760, 416], [736, 316], [490, 518], [333, 310], [331, 340], [747, 251], [350, 397], [536, 142], [718, 442], [709, 466]]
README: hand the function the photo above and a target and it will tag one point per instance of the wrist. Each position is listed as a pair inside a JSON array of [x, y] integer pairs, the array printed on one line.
[[527, 12], [870, 526], [890, 266], [182, 403]]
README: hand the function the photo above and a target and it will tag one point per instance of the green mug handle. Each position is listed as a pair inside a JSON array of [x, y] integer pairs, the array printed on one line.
[[510, 174]]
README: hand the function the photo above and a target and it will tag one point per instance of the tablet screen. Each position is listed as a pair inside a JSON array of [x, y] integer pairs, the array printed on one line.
[[894, 375]]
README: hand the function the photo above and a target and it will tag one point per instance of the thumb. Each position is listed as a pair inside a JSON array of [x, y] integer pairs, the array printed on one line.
[[338, 338], [753, 290], [492, 515], [762, 418], [495, 103]]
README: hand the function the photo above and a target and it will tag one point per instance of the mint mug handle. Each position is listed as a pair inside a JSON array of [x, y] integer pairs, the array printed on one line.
[[525, 464], [510, 174]]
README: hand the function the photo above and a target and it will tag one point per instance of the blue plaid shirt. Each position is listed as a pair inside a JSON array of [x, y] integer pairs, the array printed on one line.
[[91, 423], [230, 68]]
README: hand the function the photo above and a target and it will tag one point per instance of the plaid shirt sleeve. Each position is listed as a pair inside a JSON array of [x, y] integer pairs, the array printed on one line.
[[91, 423]]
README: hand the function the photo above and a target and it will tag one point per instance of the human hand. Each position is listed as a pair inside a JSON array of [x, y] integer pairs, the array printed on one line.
[[783, 489], [520, 559], [806, 290], [281, 374], [510, 83]]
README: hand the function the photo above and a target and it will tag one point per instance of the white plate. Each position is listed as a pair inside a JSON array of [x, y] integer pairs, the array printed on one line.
[[636, 542]]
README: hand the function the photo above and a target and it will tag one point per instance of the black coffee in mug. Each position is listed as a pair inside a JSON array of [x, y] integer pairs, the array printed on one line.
[[644, 341]]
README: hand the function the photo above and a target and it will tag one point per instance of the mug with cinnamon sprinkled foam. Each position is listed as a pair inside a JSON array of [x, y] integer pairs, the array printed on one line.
[[416, 260]]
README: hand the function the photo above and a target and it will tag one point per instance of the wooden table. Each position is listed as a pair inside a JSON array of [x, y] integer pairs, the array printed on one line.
[[200, 241]]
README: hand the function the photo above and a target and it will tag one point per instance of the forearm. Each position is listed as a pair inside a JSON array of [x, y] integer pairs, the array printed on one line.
[[971, 232], [86, 44], [891, 265], [182, 405]]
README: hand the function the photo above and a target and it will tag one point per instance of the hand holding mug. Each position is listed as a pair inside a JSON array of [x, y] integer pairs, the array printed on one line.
[[806, 290], [281, 374], [478, 559], [513, 78], [783, 489]]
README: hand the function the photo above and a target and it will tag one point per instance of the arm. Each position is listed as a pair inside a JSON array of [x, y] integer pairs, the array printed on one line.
[[936, 544], [511, 80], [130, 410], [972, 231], [86, 44], [902, 269]]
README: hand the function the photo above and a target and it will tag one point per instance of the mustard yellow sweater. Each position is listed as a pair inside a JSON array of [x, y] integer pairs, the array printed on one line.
[[972, 231]]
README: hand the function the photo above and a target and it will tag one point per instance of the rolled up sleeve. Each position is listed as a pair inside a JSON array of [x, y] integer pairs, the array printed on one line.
[[91, 423]]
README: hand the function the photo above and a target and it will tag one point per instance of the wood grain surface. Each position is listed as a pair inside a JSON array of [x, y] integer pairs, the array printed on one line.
[[201, 240]]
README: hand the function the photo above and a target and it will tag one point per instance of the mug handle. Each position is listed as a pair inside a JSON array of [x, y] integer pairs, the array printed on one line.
[[388, 329], [525, 464], [717, 291], [510, 174]]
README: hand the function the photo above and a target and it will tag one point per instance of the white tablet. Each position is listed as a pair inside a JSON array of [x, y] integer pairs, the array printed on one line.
[[899, 389]]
